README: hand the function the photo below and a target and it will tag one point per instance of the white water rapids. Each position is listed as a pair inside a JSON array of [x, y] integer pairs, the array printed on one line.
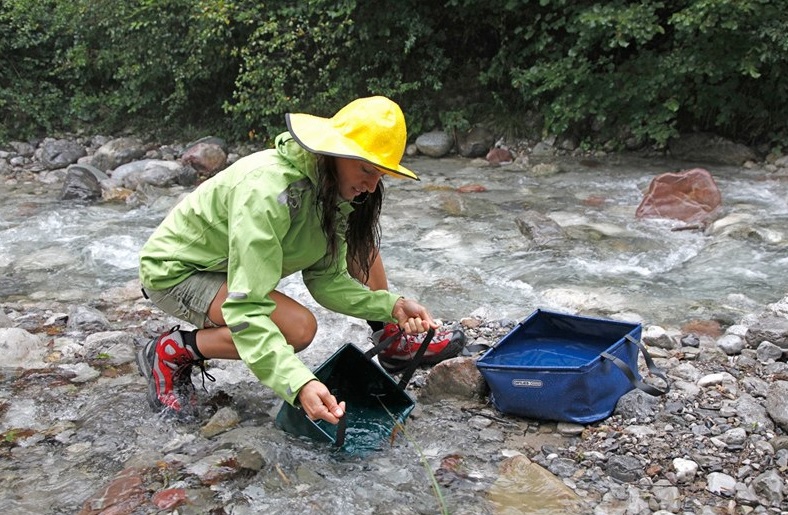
[[462, 252]]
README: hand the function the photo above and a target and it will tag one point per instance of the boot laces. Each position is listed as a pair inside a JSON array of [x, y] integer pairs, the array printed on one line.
[[182, 376], [205, 374]]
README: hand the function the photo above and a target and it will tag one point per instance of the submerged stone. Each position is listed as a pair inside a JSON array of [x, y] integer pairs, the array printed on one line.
[[528, 488]]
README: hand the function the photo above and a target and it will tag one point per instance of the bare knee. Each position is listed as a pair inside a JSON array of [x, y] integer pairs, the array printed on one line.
[[297, 323], [301, 330]]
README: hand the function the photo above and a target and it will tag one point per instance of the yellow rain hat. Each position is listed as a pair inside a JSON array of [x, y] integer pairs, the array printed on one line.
[[371, 129]]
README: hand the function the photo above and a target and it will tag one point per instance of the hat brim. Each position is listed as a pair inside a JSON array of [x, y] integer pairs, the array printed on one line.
[[317, 135]]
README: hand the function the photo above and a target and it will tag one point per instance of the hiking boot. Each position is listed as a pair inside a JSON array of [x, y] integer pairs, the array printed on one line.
[[399, 355], [167, 365]]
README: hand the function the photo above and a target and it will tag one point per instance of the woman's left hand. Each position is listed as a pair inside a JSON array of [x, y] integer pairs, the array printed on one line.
[[412, 317]]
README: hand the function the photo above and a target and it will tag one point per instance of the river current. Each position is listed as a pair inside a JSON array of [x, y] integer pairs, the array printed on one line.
[[462, 252]]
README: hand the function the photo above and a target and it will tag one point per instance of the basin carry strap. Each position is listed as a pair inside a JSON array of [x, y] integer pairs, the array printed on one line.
[[650, 389], [414, 364], [385, 342]]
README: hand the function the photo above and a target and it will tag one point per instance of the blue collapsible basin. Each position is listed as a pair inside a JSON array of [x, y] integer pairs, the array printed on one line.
[[551, 367], [375, 403]]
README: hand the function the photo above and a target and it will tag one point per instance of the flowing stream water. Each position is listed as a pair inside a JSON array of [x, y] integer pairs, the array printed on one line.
[[459, 253]]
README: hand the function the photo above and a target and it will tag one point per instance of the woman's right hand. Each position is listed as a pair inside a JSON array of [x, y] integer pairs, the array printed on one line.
[[412, 317], [319, 404]]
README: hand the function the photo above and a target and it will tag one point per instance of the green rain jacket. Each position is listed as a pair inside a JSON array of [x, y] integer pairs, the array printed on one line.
[[258, 221]]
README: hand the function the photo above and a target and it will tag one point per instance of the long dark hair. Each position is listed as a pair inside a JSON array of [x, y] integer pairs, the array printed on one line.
[[363, 230]]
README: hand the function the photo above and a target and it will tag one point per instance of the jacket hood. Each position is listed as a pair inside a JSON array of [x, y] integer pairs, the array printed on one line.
[[296, 155], [305, 161]]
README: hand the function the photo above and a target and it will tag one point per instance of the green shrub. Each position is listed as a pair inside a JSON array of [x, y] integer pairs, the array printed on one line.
[[317, 56], [108, 65], [32, 38], [162, 62], [603, 71], [651, 69]]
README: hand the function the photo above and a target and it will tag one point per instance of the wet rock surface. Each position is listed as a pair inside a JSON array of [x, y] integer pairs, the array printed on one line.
[[74, 402]]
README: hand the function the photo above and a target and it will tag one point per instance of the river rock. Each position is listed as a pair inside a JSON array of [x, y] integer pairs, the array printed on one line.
[[721, 484], [19, 348], [117, 347], [85, 318], [685, 469], [731, 344], [545, 169], [457, 377], [211, 140], [776, 405], [744, 226], [656, 336], [625, 468], [637, 405], [539, 229], [525, 487], [668, 497], [117, 152], [769, 487], [779, 308], [543, 149], [154, 172], [205, 157], [82, 182], [767, 351], [5, 320], [499, 156], [23, 148], [59, 153], [708, 148], [752, 413], [691, 196], [769, 328], [80, 372], [475, 143], [223, 420], [434, 143], [125, 491]]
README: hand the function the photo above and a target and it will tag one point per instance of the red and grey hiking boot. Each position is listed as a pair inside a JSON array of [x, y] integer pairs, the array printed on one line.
[[167, 365], [399, 355]]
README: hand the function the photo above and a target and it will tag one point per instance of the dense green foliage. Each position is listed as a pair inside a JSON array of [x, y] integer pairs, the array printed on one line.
[[601, 71]]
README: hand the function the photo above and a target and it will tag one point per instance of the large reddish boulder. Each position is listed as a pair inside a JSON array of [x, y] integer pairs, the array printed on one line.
[[499, 156], [691, 196], [206, 158]]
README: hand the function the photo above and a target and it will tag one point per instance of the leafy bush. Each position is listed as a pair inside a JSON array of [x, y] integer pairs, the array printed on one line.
[[113, 65], [603, 71], [317, 56], [160, 61], [651, 69], [31, 92]]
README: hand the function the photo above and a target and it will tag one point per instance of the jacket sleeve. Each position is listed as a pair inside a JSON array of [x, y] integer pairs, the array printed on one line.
[[257, 222], [333, 287]]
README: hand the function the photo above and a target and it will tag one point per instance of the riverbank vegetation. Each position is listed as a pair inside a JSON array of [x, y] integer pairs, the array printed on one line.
[[602, 72]]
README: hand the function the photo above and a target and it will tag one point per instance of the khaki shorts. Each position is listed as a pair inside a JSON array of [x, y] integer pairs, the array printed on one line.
[[190, 299]]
